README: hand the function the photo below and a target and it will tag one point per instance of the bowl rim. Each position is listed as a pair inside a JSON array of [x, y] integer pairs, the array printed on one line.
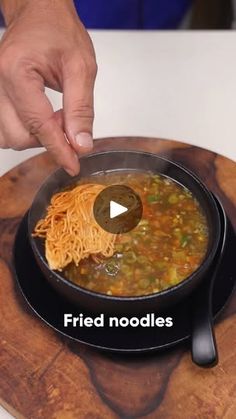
[[207, 260]]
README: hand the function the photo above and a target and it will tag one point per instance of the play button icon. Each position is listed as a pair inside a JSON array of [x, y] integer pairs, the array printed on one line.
[[118, 209]]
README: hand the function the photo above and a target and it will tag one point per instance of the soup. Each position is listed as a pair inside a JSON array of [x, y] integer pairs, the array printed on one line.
[[167, 246]]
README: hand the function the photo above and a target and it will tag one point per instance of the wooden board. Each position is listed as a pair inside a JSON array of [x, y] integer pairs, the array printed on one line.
[[43, 375]]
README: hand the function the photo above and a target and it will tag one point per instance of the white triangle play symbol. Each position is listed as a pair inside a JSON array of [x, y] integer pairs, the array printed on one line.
[[116, 209]]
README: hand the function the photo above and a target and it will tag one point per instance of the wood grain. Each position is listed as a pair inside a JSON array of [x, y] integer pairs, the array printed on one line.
[[43, 375]]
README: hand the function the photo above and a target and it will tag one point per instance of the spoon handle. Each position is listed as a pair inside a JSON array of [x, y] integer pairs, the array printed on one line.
[[204, 348]]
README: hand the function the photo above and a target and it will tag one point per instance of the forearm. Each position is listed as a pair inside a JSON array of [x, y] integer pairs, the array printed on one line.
[[12, 8]]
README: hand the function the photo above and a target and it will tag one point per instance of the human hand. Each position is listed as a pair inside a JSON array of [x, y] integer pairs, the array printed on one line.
[[45, 44]]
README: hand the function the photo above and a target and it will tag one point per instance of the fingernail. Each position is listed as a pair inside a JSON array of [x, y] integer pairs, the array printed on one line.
[[84, 139]]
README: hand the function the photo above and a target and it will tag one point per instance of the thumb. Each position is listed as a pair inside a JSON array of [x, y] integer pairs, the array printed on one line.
[[78, 86]]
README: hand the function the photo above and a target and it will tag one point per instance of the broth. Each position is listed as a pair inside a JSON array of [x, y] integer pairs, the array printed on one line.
[[168, 244]]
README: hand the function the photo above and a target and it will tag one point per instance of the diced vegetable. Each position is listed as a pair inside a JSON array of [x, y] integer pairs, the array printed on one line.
[[173, 198], [152, 199], [185, 239], [131, 257], [111, 267], [143, 222], [156, 178], [172, 275], [144, 283]]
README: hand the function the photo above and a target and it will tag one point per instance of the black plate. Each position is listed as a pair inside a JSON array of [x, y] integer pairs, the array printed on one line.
[[50, 306]]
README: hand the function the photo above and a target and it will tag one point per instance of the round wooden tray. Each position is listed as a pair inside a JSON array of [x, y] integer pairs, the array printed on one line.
[[43, 375]]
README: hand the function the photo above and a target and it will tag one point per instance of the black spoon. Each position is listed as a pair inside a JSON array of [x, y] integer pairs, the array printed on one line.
[[204, 348]]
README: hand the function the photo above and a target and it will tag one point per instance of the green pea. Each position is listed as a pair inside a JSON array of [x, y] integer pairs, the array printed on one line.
[[173, 199]]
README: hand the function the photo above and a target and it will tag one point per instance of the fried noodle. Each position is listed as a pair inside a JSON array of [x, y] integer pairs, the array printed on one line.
[[70, 230]]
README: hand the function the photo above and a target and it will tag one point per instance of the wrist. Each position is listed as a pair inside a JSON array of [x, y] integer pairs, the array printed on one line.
[[11, 9]]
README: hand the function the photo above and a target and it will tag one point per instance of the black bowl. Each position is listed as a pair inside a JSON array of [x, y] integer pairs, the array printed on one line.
[[114, 161]]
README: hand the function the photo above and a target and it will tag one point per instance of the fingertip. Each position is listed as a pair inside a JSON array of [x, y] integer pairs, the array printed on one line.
[[70, 172], [74, 168]]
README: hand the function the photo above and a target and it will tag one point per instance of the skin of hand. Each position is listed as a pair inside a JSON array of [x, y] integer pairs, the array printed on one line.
[[46, 45]]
